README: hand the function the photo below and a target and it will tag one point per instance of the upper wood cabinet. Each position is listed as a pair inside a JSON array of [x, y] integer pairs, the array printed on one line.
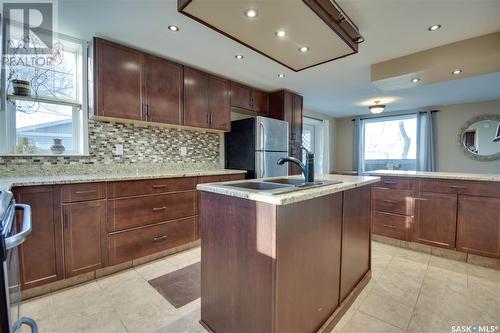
[[206, 100], [248, 98], [164, 88], [119, 81], [286, 105], [478, 227]]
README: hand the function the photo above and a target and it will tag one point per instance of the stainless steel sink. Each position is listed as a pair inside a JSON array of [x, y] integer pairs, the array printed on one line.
[[280, 185], [287, 181], [259, 186]]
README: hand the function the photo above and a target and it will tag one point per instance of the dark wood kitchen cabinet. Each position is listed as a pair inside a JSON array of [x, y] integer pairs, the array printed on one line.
[[41, 255], [164, 89], [248, 98], [85, 237], [206, 100], [119, 81], [478, 228]]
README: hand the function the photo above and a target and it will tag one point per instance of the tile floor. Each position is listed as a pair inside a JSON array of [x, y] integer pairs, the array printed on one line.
[[409, 292]]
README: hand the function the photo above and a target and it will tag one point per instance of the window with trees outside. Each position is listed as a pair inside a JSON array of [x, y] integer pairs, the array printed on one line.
[[55, 107], [390, 143]]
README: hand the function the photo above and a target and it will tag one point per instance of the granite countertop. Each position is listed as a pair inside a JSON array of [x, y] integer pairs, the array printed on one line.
[[7, 183], [348, 182], [437, 175]]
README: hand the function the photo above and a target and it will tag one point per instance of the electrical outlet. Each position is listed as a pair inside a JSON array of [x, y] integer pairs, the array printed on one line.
[[184, 151], [118, 149]]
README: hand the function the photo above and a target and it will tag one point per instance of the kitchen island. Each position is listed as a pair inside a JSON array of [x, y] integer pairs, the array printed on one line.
[[287, 261]]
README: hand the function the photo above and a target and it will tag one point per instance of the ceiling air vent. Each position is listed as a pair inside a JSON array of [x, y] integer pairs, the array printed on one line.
[[281, 30]]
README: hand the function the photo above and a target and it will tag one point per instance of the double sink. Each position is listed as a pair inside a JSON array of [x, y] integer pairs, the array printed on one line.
[[280, 185]]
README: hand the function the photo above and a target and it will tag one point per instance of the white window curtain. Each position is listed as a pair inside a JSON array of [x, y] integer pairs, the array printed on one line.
[[426, 151]]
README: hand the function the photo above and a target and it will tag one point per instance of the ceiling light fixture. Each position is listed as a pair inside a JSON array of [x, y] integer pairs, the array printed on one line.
[[415, 79], [281, 33], [281, 75], [377, 108], [173, 28], [456, 72], [304, 49], [251, 13], [434, 27], [239, 56]]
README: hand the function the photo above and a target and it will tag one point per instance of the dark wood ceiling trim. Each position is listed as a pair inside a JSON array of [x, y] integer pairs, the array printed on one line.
[[312, 4]]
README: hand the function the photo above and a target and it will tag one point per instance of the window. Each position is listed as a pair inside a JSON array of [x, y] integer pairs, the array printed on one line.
[[390, 143], [312, 140], [56, 106]]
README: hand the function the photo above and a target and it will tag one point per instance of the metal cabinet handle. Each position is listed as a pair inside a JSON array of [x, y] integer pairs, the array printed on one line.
[[389, 182], [159, 186], [421, 199], [159, 238], [20, 237], [148, 115], [85, 192], [458, 187], [158, 209], [389, 226], [390, 201]]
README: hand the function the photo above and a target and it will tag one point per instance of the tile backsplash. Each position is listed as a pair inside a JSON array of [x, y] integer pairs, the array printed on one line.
[[142, 144]]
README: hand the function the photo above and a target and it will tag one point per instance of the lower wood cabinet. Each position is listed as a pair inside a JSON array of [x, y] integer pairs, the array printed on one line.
[[478, 229], [85, 237], [435, 219], [41, 256]]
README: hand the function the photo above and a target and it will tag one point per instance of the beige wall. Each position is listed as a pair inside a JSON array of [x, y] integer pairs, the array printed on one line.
[[449, 120]]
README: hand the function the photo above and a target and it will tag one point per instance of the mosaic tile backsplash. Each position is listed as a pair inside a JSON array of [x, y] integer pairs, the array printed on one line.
[[142, 145]]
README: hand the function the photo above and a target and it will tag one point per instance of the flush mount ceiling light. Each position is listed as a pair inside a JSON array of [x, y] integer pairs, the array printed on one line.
[[415, 79], [434, 27], [303, 49], [239, 56], [330, 32], [377, 108], [456, 72], [173, 28], [280, 33], [281, 75], [251, 13]]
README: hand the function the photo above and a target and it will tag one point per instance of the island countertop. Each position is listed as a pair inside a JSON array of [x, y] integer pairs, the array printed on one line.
[[347, 183], [437, 175]]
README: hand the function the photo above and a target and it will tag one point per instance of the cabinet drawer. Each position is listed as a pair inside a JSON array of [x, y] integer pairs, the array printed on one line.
[[83, 192], [395, 182], [390, 225], [150, 186], [479, 188], [140, 211], [221, 178], [128, 245], [392, 201]]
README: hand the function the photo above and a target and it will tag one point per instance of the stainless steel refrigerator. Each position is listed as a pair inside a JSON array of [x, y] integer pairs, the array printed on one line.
[[255, 145]]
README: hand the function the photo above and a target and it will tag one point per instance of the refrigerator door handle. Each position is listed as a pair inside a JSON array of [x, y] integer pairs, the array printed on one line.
[[263, 141]]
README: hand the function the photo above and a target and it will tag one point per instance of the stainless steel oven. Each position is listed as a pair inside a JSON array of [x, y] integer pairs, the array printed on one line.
[[11, 236]]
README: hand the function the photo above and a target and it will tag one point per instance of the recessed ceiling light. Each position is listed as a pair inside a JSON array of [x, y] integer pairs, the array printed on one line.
[[173, 28], [415, 79], [281, 33], [250, 13], [456, 72], [377, 108], [434, 27], [281, 75], [239, 56], [304, 49]]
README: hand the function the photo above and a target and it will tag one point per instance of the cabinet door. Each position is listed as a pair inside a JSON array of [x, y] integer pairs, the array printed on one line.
[[119, 81], [297, 118], [241, 96], [355, 238], [164, 90], [479, 225], [260, 102], [195, 98], [40, 256], [218, 103], [84, 237], [436, 218]]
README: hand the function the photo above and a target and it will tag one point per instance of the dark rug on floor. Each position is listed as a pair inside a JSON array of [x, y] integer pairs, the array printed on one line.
[[179, 287]]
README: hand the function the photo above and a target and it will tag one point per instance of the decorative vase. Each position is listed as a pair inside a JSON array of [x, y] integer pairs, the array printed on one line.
[[57, 147]]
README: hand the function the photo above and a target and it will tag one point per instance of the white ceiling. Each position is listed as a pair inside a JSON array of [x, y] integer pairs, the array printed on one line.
[[392, 28]]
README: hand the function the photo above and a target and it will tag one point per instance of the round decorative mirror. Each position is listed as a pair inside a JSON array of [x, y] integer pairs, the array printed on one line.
[[479, 138]]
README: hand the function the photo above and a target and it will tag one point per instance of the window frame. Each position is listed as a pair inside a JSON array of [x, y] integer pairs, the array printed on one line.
[[79, 108]]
